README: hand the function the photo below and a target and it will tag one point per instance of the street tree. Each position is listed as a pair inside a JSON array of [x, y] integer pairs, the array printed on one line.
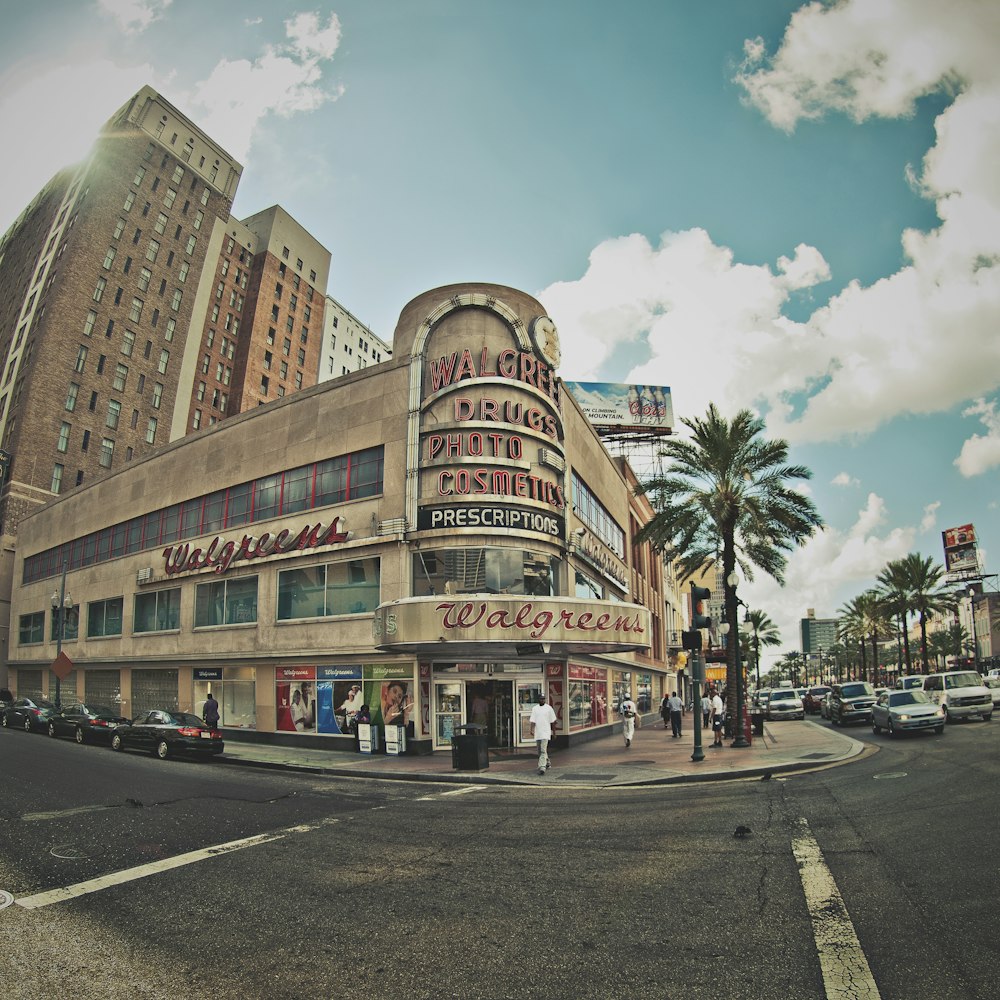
[[726, 497]]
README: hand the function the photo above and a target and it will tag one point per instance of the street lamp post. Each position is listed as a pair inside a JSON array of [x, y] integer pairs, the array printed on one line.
[[975, 638], [739, 740], [61, 603]]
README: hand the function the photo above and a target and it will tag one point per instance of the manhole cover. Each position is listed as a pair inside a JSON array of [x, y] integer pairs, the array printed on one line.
[[5, 899], [69, 852], [890, 774], [579, 776], [815, 756]]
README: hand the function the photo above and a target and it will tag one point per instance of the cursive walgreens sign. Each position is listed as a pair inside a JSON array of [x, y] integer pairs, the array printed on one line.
[[221, 553]]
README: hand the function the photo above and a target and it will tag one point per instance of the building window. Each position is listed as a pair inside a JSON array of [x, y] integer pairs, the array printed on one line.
[[196, 420], [226, 602], [157, 394], [114, 413], [267, 360], [129, 201], [57, 474], [109, 257], [31, 629], [121, 374], [135, 310], [161, 223], [128, 343], [264, 385], [178, 174], [81, 359], [200, 392], [331, 590], [102, 283], [192, 242], [145, 275], [104, 618], [107, 453], [159, 611], [168, 198], [164, 359], [85, 443], [298, 380], [168, 333], [183, 272], [199, 218], [596, 516], [71, 393], [284, 369], [88, 323], [175, 300], [152, 250], [139, 174], [151, 431], [63, 443]]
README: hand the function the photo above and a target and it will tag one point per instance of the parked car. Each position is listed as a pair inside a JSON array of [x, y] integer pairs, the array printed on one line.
[[904, 711], [851, 702], [165, 733], [29, 714], [993, 683], [812, 702], [86, 723], [762, 697], [910, 682], [961, 693], [784, 703]]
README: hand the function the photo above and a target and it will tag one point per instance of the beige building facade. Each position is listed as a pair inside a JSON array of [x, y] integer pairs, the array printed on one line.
[[442, 536]]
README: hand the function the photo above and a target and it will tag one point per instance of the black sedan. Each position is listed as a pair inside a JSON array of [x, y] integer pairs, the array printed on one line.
[[165, 733], [29, 714], [86, 723]]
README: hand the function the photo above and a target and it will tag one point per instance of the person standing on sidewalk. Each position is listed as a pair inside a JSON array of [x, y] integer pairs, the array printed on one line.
[[716, 713], [542, 719], [211, 711], [628, 711], [676, 710], [665, 711], [706, 710]]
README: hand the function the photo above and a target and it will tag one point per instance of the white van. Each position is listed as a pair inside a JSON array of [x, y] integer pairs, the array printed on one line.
[[961, 693]]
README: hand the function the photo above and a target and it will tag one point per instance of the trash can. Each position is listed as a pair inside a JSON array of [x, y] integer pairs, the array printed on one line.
[[468, 748], [757, 718], [395, 740]]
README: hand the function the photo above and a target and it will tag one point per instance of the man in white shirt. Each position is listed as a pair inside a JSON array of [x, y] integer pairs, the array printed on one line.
[[676, 713], [542, 720], [628, 710], [717, 710]]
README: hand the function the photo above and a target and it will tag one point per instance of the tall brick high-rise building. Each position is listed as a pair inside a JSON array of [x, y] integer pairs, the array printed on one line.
[[135, 309]]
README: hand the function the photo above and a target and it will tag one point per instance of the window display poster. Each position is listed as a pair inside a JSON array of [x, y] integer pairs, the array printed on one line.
[[390, 701], [296, 706], [338, 703], [557, 701]]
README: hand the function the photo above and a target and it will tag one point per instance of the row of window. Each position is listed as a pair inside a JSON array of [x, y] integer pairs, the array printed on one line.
[[319, 484], [595, 516], [330, 590]]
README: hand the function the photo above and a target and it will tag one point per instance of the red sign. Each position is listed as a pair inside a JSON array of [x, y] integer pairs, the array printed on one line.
[[295, 674], [62, 666]]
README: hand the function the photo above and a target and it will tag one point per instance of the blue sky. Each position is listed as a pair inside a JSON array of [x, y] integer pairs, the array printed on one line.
[[759, 203]]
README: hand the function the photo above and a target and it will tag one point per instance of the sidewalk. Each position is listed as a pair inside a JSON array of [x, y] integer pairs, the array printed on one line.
[[654, 758]]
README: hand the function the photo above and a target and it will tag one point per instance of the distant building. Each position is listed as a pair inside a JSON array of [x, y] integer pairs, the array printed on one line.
[[348, 345]]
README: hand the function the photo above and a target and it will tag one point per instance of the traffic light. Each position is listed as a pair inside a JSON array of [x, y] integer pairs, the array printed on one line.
[[699, 595], [691, 640]]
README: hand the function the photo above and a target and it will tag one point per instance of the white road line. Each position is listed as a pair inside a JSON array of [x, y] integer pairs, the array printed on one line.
[[464, 790], [846, 975], [131, 874], [60, 813]]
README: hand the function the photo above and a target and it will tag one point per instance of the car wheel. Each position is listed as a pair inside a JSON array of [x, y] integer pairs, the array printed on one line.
[[116, 742], [3, 721], [947, 718], [162, 750], [79, 736], [52, 730], [27, 723], [986, 718]]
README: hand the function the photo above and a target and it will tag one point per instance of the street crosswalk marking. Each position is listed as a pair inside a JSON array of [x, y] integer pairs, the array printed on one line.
[[455, 791], [846, 974]]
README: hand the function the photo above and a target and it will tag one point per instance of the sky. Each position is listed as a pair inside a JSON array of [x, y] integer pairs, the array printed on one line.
[[759, 203]]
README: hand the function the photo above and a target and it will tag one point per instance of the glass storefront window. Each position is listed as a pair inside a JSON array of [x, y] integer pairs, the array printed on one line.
[[226, 602], [344, 588], [448, 709], [585, 586], [483, 571], [644, 696], [159, 611], [621, 688], [236, 694]]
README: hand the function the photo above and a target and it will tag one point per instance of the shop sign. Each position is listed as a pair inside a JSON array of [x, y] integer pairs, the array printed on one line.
[[388, 671], [208, 673], [338, 673], [489, 516], [295, 673], [220, 554], [578, 672]]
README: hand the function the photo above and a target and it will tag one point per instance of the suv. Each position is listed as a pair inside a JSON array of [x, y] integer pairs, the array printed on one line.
[[814, 699], [784, 703], [961, 693], [851, 702]]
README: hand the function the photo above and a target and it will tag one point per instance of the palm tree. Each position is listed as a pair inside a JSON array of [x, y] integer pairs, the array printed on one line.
[[948, 642], [763, 632], [726, 498], [894, 582], [864, 618], [928, 594], [791, 662]]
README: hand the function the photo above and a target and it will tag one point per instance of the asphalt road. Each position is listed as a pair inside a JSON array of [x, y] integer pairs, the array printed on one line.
[[379, 889]]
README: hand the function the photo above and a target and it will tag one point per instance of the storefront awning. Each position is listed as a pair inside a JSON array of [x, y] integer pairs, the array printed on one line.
[[483, 626]]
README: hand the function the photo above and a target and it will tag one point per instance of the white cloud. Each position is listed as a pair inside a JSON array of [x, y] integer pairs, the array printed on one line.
[[930, 516], [134, 16], [845, 479], [920, 341], [284, 80], [981, 452]]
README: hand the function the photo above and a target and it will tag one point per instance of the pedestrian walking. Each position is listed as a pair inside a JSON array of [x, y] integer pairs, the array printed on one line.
[[717, 710], [628, 711], [706, 710], [211, 711], [676, 710], [665, 711], [542, 719]]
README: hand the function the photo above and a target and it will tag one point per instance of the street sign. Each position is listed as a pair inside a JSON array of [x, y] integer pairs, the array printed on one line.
[[62, 666]]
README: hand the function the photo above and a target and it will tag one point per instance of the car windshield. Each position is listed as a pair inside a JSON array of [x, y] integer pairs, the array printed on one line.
[[783, 695], [42, 703], [856, 690], [185, 719], [966, 680], [908, 698], [818, 691]]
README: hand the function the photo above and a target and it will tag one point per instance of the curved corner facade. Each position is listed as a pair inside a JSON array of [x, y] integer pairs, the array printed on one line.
[[442, 537]]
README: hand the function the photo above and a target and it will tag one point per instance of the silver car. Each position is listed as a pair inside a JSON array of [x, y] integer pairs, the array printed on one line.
[[904, 711], [993, 683], [784, 703]]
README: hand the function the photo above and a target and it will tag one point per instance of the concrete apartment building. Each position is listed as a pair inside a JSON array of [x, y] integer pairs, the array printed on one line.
[[348, 344]]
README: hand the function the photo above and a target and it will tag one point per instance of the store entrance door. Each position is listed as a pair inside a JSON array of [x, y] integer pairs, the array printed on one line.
[[490, 703]]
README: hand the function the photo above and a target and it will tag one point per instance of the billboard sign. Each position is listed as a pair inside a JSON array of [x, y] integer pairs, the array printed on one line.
[[960, 553], [615, 407]]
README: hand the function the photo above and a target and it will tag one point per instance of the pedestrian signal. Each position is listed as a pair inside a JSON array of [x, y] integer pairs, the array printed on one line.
[[699, 596]]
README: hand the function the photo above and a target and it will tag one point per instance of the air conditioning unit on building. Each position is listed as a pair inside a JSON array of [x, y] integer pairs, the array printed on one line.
[[546, 456], [144, 575]]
